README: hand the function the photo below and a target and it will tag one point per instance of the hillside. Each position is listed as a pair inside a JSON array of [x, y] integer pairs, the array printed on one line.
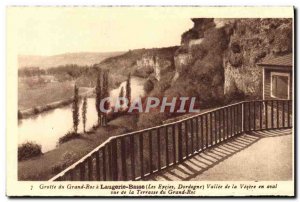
[[216, 60], [81, 58], [218, 57], [146, 63]]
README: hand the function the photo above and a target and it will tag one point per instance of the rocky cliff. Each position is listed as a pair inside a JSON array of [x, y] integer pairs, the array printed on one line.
[[218, 57], [251, 41], [153, 64], [199, 61]]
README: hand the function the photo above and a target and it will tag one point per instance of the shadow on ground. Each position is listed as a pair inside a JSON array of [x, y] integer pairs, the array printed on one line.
[[195, 166]]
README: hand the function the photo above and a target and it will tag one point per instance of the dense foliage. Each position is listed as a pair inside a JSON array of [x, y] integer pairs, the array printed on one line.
[[28, 150]]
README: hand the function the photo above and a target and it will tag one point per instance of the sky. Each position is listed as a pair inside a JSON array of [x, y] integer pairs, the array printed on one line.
[[57, 30], [51, 31]]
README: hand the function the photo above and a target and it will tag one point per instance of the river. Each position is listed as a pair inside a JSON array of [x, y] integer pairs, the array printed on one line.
[[46, 128]]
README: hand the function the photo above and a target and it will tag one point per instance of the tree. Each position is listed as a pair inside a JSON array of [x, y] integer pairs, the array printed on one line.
[[128, 89], [121, 95], [105, 94], [98, 96], [84, 110], [102, 92], [75, 109]]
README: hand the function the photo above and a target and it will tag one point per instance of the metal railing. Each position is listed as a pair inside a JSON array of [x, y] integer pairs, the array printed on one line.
[[136, 155]]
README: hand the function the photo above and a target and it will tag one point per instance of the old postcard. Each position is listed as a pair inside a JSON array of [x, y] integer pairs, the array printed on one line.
[[150, 101]]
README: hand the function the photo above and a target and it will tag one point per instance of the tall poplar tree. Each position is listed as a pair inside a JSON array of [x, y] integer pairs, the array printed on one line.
[[121, 95], [84, 110], [128, 89], [98, 96], [105, 94], [75, 109]]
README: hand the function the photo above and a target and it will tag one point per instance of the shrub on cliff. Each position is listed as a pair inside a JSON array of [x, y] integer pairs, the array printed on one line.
[[36, 110], [67, 137], [28, 150], [189, 35], [20, 116], [148, 86]]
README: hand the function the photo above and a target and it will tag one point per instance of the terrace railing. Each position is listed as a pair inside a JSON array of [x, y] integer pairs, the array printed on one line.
[[136, 155]]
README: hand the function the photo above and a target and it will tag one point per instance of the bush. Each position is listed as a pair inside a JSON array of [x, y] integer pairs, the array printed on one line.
[[20, 116], [35, 110], [68, 136], [28, 150]]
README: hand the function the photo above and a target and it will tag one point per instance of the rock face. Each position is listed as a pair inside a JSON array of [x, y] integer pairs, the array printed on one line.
[[146, 63], [199, 61], [154, 65], [217, 59], [219, 56], [251, 42]]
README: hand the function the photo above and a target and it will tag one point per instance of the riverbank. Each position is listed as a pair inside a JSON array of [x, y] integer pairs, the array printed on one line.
[[39, 109], [44, 167]]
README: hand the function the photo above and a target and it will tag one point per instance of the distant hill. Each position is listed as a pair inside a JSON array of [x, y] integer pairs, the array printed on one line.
[[81, 58]]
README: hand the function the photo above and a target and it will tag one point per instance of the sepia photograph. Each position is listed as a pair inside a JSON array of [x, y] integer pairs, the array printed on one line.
[[163, 99]]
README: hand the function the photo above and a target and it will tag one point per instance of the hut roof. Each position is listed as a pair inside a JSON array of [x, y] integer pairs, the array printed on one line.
[[283, 61]]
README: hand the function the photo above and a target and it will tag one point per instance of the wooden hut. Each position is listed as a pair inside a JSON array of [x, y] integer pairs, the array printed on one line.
[[277, 77]]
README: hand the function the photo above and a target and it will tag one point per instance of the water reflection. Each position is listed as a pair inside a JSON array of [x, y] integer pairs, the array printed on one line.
[[46, 128]]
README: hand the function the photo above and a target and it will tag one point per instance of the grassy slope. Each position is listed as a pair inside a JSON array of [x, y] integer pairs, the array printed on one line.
[[80, 58], [44, 94], [40, 168]]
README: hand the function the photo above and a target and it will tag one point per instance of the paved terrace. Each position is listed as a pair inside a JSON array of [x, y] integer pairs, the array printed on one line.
[[262, 155]]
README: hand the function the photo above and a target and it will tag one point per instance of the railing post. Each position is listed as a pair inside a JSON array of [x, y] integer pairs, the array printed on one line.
[[90, 168], [186, 133], [97, 166], [277, 113], [114, 160], [158, 149], [254, 115], [167, 145], [71, 174], [219, 124], [227, 122], [243, 117], [197, 134], [141, 148], [192, 135], [272, 114], [206, 131], [104, 162], [283, 114], [174, 143], [82, 171], [216, 130], [202, 133], [211, 128], [224, 121], [123, 159], [132, 157], [249, 116], [180, 143], [260, 115], [267, 115], [150, 152], [288, 113]]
